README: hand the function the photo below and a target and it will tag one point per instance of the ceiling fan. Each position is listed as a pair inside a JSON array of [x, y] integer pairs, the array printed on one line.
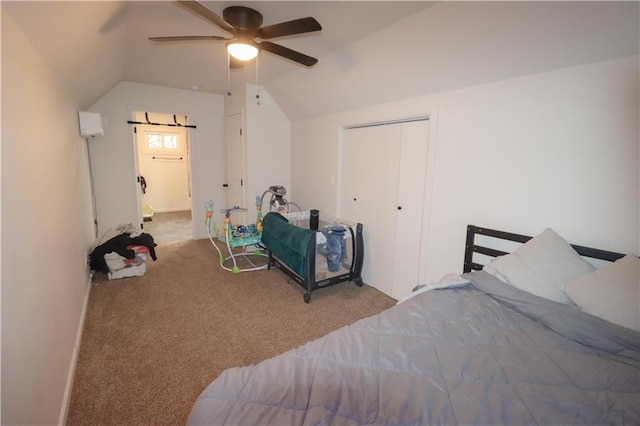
[[245, 25]]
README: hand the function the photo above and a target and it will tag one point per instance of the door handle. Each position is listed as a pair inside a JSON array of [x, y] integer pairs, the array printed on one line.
[[225, 185]]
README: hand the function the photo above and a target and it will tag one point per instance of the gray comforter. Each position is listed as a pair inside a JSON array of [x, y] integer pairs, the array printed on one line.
[[486, 353]]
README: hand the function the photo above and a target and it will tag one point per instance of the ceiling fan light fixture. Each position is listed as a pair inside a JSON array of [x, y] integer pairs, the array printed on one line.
[[242, 51]]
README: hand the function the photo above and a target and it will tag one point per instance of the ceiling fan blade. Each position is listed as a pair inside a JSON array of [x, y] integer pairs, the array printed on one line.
[[187, 38], [208, 15], [297, 26], [285, 52]]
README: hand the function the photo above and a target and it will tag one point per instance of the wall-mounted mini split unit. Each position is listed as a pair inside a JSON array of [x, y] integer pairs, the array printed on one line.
[[90, 124]]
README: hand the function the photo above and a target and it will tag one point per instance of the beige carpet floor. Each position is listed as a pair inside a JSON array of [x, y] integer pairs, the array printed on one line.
[[151, 344]]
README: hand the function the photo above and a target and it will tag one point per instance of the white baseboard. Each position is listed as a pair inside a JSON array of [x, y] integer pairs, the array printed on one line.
[[171, 210], [66, 400]]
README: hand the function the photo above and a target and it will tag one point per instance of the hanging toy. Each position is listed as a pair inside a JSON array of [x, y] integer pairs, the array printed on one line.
[[259, 218], [227, 229], [208, 216]]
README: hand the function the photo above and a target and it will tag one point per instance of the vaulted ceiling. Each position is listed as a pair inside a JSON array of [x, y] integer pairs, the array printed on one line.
[[92, 45], [369, 51]]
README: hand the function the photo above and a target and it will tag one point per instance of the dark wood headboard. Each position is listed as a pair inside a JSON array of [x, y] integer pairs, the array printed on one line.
[[471, 247]]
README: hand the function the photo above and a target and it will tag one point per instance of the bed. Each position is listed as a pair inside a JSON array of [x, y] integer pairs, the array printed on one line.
[[476, 348], [298, 245]]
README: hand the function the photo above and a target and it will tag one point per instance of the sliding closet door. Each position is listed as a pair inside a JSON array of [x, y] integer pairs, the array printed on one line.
[[409, 255], [383, 186], [369, 193]]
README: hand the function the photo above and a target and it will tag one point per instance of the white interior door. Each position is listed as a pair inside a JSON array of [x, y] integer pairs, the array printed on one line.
[[236, 160], [411, 203], [369, 195]]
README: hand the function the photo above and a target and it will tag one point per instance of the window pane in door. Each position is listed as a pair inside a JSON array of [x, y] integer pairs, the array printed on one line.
[[170, 141], [154, 141]]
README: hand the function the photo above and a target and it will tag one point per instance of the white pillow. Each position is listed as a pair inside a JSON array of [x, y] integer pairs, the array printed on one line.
[[542, 266], [611, 292]]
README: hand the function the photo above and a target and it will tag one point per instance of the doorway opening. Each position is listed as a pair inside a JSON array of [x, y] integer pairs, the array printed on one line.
[[164, 173]]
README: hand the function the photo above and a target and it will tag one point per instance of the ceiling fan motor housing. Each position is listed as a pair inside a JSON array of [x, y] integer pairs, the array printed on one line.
[[243, 18]]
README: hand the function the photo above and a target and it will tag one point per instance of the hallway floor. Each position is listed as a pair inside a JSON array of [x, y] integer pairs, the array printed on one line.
[[170, 226]]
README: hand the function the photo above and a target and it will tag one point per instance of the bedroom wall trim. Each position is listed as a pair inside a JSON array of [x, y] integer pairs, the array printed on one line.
[[66, 398], [429, 185]]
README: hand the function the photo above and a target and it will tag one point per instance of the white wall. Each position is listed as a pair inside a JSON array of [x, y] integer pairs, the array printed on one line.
[[556, 149], [455, 44], [113, 156], [268, 139], [46, 232]]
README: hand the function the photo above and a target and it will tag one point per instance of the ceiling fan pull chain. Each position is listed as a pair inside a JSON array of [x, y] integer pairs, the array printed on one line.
[[257, 80], [228, 74]]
